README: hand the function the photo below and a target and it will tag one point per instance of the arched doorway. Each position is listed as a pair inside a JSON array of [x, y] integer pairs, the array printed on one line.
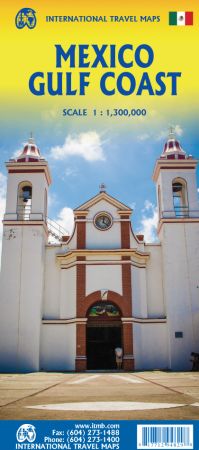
[[103, 335]]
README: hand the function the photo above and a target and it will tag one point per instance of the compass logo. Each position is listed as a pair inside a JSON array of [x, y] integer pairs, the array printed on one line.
[[26, 432], [26, 17]]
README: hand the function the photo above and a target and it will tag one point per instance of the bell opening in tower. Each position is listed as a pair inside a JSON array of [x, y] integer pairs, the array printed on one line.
[[180, 198], [24, 201]]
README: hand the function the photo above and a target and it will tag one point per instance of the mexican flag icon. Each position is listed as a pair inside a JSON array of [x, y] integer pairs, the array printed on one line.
[[181, 18]]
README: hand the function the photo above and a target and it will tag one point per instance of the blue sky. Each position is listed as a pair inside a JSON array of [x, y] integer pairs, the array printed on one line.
[[81, 155]]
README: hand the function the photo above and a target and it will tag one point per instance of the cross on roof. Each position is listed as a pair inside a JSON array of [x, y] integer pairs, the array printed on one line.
[[102, 187]]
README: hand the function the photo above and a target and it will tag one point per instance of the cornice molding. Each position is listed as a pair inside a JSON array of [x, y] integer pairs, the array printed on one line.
[[141, 320], [179, 221], [104, 196], [29, 167], [71, 256], [169, 164]]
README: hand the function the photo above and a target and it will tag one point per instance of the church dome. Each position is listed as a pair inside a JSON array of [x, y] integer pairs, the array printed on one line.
[[30, 152], [172, 148]]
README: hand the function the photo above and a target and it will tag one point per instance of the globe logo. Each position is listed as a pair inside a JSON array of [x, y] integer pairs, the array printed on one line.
[[25, 17], [26, 432]]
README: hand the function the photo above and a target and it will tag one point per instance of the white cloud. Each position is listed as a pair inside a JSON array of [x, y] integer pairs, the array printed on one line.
[[143, 137], [70, 172], [164, 134], [17, 153], [147, 206], [2, 205], [87, 145], [178, 130], [52, 199], [64, 219], [149, 222]]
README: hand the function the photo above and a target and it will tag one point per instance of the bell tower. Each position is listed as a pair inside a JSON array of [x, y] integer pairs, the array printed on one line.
[[175, 178], [24, 238], [178, 230]]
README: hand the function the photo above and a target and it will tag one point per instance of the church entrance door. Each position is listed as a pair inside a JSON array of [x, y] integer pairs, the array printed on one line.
[[104, 334]]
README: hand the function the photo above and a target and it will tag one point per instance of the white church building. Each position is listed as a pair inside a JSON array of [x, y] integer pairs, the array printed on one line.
[[67, 305]]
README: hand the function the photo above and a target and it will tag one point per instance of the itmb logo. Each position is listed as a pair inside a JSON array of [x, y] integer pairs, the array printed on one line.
[[26, 432], [26, 17]]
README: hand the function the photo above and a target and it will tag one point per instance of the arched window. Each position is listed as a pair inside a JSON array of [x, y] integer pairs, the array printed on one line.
[[104, 309], [24, 200], [180, 200]]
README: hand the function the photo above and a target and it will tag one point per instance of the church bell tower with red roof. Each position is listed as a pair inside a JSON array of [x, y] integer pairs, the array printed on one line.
[[178, 230], [24, 239]]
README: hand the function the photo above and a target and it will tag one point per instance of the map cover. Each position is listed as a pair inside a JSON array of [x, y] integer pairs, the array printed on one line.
[[100, 101]]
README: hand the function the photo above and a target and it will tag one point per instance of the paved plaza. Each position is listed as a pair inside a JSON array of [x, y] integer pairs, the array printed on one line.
[[100, 396]]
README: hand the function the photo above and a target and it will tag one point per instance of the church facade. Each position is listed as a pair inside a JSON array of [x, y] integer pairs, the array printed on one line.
[[67, 306]]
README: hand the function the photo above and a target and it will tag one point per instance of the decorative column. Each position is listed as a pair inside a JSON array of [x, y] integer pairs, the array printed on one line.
[[81, 360], [125, 230], [81, 231], [128, 358]]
